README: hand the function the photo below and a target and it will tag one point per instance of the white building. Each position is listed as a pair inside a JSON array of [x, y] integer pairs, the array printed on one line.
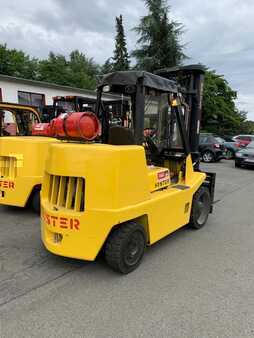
[[37, 93]]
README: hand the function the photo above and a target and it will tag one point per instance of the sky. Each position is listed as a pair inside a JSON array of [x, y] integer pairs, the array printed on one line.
[[218, 33]]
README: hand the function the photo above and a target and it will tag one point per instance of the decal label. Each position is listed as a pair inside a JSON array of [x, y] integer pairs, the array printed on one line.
[[162, 184], [61, 222], [7, 184], [163, 175], [162, 179]]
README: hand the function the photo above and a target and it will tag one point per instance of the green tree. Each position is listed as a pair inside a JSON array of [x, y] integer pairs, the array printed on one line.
[[121, 57], [76, 71], [159, 38], [14, 62], [107, 67], [220, 114], [247, 127], [82, 71], [54, 69]]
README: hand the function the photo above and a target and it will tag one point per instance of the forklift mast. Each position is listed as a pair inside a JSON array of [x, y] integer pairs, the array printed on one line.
[[191, 81]]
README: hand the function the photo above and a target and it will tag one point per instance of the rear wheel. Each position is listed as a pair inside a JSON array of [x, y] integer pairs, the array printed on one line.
[[36, 201], [201, 206], [208, 156], [125, 247]]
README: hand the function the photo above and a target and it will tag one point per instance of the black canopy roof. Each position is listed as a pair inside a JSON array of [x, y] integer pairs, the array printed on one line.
[[150, 80], [198, 68]]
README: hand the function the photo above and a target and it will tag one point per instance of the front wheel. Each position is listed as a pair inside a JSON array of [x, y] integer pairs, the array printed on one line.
[[208, 157], [201, 206], [125, 247]]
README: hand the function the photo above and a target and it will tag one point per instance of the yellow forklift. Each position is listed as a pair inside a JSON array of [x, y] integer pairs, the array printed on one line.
[[131, 189], [22, 156], [22, 159], [17, 119], [115, 106]]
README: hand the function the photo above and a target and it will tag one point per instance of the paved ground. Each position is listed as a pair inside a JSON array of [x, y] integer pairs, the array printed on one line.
[[191, 284]]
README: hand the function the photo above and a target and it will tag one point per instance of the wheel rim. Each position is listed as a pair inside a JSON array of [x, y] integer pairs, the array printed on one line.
[[208, 157], [202, 208], [134, 249]]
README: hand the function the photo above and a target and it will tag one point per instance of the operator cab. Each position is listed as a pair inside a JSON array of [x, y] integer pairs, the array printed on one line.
[[154, 119], [68, 104]]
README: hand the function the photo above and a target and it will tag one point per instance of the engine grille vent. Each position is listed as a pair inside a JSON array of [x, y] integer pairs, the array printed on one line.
[[8, 167], [67, 192]]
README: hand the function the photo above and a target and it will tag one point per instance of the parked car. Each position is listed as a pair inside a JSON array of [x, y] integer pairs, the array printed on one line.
[[244, 140], [211, 149], [245, 156], [231, 147], [228, 138]]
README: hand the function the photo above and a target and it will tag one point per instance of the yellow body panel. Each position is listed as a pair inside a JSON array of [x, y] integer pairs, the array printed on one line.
[[22, 163], [119, 187]]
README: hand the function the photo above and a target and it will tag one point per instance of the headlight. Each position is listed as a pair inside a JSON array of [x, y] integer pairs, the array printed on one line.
[[238, 154]]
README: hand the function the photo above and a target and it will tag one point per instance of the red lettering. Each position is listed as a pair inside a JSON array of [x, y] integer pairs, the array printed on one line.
[[76, 224], [47, 219], [54, 218], [7, 184], [63, 222], [11, 185]]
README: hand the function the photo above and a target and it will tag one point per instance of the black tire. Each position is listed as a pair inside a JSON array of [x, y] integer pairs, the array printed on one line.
[[237, 165], [208, 156], [125, 247], [201, 206], [36, 205]]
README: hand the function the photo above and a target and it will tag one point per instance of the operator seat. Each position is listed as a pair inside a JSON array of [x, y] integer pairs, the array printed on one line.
[[120, 136]]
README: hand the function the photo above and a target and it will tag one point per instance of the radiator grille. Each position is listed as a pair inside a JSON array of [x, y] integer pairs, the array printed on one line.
[[8, 167], [67, 192]]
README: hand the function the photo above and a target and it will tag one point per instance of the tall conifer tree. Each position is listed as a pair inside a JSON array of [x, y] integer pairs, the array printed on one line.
[[159, 38]]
